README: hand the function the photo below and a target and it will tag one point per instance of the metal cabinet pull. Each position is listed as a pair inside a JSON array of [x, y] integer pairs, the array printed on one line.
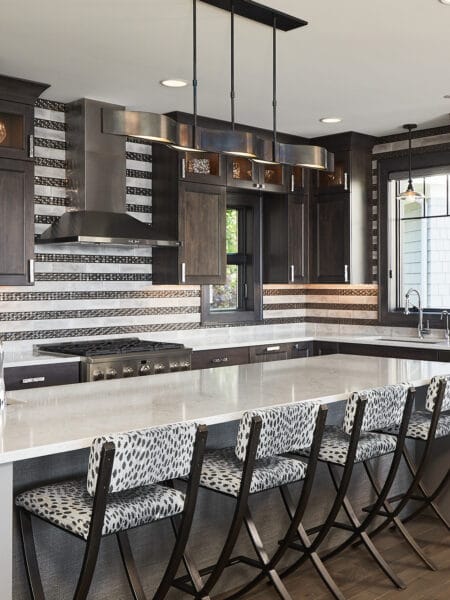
[[346, 273], [33, 380], [292, 182], [183, 272], [31, 270], [31, 146], [273, 348], [220, 360], [183, 168], [292, 273], [345, 181]]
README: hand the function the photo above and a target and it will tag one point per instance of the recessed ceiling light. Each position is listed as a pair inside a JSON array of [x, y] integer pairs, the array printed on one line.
[[174, 83], [331, 119]]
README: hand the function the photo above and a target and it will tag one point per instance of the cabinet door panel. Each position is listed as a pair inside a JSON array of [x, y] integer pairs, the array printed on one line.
[[222, 357], [23, 378], [16, 125], [332, 238], [296, 232], [202, 233], [16, 221]]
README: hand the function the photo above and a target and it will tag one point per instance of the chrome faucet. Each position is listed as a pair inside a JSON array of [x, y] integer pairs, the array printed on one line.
[[421, 330], [446, 314]]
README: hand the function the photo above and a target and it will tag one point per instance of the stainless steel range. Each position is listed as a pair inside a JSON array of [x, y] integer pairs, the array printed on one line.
[[123, 357]]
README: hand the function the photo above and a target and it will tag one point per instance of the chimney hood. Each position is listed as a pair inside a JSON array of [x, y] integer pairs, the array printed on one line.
[[97, 186]]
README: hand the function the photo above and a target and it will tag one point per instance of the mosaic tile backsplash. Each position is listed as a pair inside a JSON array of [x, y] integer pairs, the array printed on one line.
[[95, 291]]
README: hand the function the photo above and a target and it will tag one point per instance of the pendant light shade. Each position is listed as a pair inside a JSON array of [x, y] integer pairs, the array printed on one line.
[[302, 155], [232, 142], [145, 125], [410, 194]]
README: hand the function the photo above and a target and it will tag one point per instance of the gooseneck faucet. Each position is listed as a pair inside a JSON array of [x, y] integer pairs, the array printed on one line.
[[421, 330], [445, 314]]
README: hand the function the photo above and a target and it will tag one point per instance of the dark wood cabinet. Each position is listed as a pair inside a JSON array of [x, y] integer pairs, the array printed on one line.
[[331, 234], [245, 173], [285, 238], [340, 234], [221, 357], [325, 348], [269, 352], [302, 350], [389, 351], [16, 222], [23, 378], [193, 213], [17, 98], [202, 167]]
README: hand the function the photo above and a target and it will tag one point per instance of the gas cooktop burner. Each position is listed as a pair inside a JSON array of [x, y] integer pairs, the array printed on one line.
[[105, 347]]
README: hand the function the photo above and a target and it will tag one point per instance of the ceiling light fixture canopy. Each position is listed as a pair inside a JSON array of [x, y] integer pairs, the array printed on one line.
[[410, 193]]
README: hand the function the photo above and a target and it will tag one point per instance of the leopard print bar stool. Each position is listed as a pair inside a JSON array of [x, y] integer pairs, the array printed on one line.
[[122, 491], [255, 465], [425, 426], [358, 441]]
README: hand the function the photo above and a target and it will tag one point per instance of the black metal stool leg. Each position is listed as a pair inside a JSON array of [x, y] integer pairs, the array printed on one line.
[[356, 525], [429, 498], [130, 566], [29, 550], [397, 521], [308, 545]]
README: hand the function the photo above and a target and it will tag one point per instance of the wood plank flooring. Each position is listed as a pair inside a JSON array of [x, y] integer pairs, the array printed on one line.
[[360, 579]]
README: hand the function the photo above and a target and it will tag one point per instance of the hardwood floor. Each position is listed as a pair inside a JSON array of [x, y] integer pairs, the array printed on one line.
[[360, 579]]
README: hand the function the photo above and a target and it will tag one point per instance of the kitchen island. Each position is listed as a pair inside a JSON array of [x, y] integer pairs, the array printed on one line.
[[62, 421]]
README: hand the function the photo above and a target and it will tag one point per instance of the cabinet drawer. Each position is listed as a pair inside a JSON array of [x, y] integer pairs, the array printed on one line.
[[23, 378], [222, 357], [269, 352], [389, 351], [325, 348], [302, 350]]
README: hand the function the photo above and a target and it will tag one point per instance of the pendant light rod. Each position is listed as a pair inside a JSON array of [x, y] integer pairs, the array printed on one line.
[[274, 86], [232, 87], [194, 71], [410, 127]]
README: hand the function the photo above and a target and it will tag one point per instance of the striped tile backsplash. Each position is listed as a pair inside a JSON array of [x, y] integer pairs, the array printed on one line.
[[100, 291]]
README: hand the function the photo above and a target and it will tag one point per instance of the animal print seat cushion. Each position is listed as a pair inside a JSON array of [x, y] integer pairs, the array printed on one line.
[[68, 505], [419, 426], [432, 393], [222, 472], [335, 444]]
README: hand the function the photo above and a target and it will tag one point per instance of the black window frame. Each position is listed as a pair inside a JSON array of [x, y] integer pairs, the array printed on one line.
[[425, 159], [249, 260]]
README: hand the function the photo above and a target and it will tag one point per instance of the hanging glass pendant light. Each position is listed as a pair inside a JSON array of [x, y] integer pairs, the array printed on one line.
[[410, 193], [235, 143]]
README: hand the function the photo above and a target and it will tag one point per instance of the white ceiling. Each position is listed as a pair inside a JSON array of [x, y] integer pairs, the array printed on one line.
[[375, 63]]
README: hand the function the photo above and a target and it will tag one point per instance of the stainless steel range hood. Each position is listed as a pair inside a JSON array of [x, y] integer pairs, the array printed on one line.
[[97, 186]]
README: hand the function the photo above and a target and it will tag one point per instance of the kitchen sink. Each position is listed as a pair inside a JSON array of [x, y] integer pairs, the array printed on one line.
[[408, 340]]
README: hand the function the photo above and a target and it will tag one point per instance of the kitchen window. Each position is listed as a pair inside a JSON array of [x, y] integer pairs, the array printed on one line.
[[239, 299], [414, 242]]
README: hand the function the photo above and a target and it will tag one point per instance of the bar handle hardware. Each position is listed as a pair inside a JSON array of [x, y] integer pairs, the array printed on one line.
[[346, 181], [292, 273], [183, 272], [292, 182], [217, 361], [346, 273], [31, 146], [31, 270], [273, 349], [183, 168], [33, 380]]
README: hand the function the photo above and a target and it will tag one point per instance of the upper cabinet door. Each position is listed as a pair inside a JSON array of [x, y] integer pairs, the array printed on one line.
[[202, 255], [274, 178], [297, 239], [339, 179], [242, 173], [298, 180], [16, 222], [332, 238], [202, 167], [16, 128]]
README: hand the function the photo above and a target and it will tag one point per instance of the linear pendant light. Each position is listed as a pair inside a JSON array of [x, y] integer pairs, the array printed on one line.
[[410, 193], [188, 137], [232, 142], [148, 126]]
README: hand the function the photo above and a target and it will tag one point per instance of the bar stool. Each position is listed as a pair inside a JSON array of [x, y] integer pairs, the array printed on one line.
[[356, 442], [254, 466], [425, 426], [122, 491]]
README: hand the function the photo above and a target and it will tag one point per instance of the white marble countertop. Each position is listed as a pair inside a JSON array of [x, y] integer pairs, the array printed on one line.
[[51, 420]]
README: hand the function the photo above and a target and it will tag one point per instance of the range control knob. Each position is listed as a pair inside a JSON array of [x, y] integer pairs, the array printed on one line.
[[97, 375], [160, 368], [145, 369], [185, 366], [111, 374], [174, 366], [128, 372]]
